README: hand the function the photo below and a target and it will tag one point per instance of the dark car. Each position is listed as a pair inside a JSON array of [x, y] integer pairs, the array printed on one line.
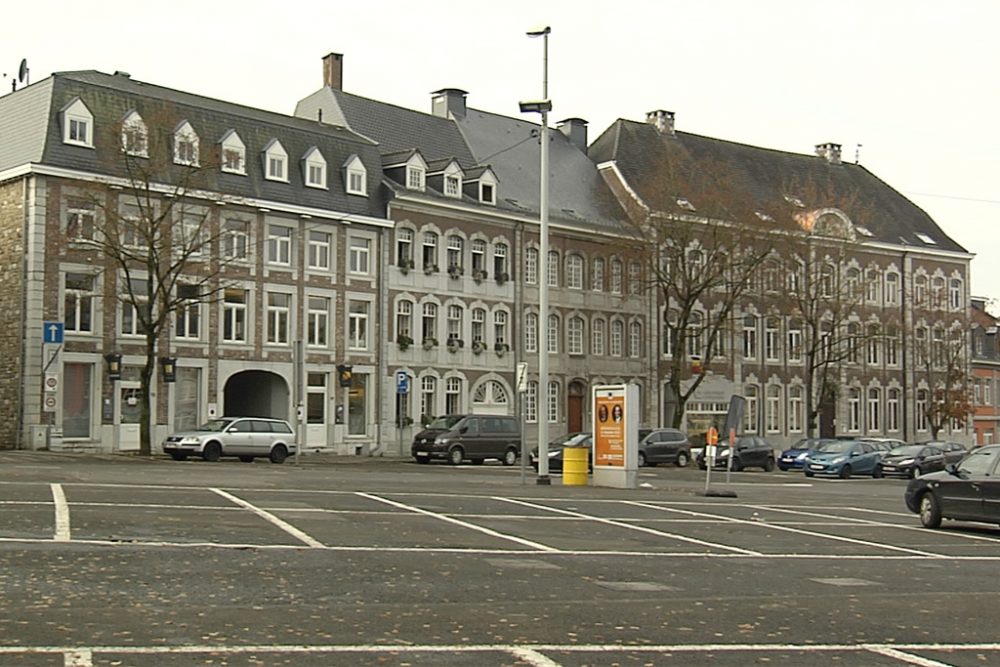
[[953, 451], [910, 461], [475, 438], [555, 450], [794, 457], [752, 451], [664, 445], [843, 458], [966, 491]]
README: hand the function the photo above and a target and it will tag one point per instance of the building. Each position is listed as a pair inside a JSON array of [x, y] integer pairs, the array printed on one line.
[[985, 373]]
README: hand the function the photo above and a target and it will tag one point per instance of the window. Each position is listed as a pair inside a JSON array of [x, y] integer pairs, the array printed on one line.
[[853, 409], [279, 245], [404, 247], [772, 338], [553, 269], [78, 124], [531, 266], [279, 311], [920, 345], [891, 289], [134, 135], [937, 292], [190, 236], [750, 393], [404, 319], [531, 332], [853, 340], [80, 219], [78, 302], [772, 409], [234, 315], [500, 327], [234, 154], [487, 188], [453, 396], [617, 336], [316, 398], [553, 402], [853, 278], [955, 294], [428, 322], [531, 402], [133, 228], [795, 409], [428, 398], [874, 345], [356, 179], [478, 325], [275, 162], [669, 327], [456, 251], [357, 325], [360, 255], [921, 410], [574, 332], [892, 346], [892, 410], [616, 276], [552, 344], [187, 315], [185, 145], [749, 337], [315, 168], [135, 307], [634, 278], [597, 337], [235, 239], [597, 275], [874, 410], [634, 339], [873, 285], [795, 340], [318, 321], [455, 316], [453, 181], [319, 250], [826, 281], [430, 252], [500, 261], [920, 291], [415, 177], [574, 272]]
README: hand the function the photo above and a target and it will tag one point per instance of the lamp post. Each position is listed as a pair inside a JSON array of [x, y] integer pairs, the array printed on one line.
[[543, 107]]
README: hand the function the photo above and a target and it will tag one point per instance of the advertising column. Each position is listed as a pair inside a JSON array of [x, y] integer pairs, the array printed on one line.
[[615, 410]]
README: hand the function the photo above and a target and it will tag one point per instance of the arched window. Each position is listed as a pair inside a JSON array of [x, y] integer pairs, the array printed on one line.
[[574, 272]]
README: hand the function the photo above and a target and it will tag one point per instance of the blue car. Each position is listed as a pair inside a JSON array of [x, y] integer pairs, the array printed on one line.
[[795, 457], [842, 458]]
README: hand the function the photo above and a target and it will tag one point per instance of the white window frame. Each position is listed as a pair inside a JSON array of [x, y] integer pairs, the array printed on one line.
[[574, 335], [574, 272], [355, 176], [531, 266], [314, 169], [360, 254], [617, 342], [279, 245], [188, 315], [235, 315], [233, 153], [81, 300], [553, 333], [275, 156], [318, 321], [186, 145], [634, 340], [78, 124], [359, 324], [597, 337], [135, 136], [320, 250], [531, 332], [597, 275], [278, 317], [488, 188], [235, 242]]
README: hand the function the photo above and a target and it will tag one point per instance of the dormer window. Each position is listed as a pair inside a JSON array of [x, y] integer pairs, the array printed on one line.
[[355, 176], [488, 188], [78, 124], [453, 180], [414, 177], [315, 168], [234, 153], [185, 145], [134, 135], [275, 162]]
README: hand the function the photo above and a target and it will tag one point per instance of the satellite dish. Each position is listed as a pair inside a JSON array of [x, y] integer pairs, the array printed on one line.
[[22, 70]]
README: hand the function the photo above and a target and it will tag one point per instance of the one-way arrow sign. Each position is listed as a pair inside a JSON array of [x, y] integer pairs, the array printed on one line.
[[52, 332]]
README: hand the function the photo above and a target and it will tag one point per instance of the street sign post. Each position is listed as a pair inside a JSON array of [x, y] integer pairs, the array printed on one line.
[[402, 382]]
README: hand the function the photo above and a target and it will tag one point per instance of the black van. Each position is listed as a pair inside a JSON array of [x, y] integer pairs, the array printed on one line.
[[475, 438]]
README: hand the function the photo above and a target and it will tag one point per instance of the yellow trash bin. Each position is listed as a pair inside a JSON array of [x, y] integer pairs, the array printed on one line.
[[575, 466]]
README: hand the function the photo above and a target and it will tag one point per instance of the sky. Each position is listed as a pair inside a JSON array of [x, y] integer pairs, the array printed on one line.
[[907, 87]]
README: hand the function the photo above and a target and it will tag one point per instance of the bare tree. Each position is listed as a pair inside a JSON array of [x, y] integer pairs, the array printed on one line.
[[941, 367]]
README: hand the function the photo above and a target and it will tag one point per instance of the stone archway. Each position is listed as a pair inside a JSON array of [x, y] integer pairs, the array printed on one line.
[[256, 394]]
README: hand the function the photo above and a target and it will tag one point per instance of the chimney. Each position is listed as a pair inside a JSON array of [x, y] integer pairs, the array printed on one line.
[[575, 130], [829, 151], [333, 71], [448, 103], [663, 120]]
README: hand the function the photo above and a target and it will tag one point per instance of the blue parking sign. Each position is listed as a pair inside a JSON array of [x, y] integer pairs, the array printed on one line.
[[52, 332], [402, 382]]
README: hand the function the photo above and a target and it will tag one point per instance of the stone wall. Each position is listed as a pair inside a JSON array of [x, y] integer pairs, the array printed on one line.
[[11, 305]]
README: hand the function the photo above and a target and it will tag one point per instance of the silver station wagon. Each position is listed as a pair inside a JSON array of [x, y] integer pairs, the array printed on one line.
[[243, 437]]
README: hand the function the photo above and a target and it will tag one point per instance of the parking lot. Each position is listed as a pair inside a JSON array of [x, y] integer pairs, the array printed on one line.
[[152, 562]]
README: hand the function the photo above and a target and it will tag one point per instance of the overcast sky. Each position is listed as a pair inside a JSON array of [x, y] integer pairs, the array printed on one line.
[[913, 82]]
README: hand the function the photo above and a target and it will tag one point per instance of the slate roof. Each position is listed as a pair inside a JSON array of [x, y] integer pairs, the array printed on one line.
[[110, 97], [639, 149], [23, 120]]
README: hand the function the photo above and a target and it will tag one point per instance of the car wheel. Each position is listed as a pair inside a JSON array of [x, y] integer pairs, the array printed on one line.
[[509, 457], [769, 465], [682, 460], [456, 455], [212, 452], [246, 459], [179, 456], [642, 460], [809, 473], [877, 471], [279, 454], [930, 511], [845, 472], [422, 459]]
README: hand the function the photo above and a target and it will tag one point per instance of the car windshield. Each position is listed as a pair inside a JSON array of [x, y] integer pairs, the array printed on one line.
[[906, 450], [838, 447], [445, 423], [215, 425]]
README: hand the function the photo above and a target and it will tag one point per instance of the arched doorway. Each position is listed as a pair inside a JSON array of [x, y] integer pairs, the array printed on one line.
[[256, 394], [574, 406]]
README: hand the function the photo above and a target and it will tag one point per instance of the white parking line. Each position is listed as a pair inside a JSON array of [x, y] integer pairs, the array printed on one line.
[[78, 658], [908, 658], [465, 524], [836, 538], [641, 529], [62, 513], [267, 516]]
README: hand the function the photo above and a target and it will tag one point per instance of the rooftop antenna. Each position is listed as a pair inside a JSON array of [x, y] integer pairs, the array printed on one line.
[[857, 154]]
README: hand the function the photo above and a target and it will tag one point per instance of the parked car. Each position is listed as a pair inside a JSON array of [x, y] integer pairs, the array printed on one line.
[[244, 437], [752, 451], [883, 445], [664, 445], [842, 458], [964, 491], [795, 456], [910, 461], [474, 438], [555, 450], [953, 451]]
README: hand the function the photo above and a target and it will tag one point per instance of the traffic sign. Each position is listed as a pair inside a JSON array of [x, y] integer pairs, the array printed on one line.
[[402, 382], [521, 377], [51, 382], [50, 403], [52, 332]]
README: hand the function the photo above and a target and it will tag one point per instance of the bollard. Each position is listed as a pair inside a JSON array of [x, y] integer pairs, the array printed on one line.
[[575, 464]]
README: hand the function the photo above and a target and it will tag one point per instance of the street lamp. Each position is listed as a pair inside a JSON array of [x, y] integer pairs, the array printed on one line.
[[543, 107]]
